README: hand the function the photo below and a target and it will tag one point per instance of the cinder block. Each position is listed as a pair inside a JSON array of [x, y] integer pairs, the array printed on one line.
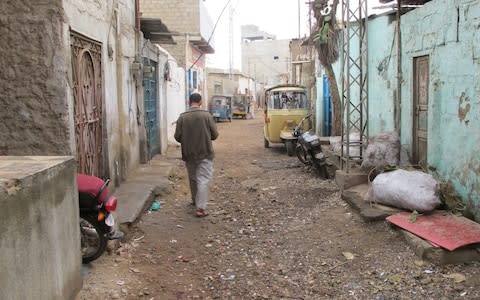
[[346, 180]]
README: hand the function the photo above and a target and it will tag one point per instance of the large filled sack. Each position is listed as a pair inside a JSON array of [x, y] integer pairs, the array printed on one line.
[[336, 143], [383, 149], [412, 190]]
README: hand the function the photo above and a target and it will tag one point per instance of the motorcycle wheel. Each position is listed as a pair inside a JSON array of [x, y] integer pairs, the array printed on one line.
[[302, 155], [322, 170], [93, 237]]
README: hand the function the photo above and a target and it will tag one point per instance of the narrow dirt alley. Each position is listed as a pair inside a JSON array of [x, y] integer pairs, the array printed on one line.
[[275, 231]]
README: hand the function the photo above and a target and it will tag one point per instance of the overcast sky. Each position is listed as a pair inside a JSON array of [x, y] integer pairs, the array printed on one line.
[[278, 17]]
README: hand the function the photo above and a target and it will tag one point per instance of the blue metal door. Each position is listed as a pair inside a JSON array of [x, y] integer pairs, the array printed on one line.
[[150, 106], [327, 108]]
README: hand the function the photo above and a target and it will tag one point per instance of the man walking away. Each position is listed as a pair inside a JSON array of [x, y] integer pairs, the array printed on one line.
[[195, 131]]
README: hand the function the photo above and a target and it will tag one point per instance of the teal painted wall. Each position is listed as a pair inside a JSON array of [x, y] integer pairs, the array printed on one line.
[[448, 31], [382, 72], [454, 91]]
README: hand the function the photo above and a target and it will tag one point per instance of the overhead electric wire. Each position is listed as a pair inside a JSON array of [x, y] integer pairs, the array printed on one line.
[[211, 35]]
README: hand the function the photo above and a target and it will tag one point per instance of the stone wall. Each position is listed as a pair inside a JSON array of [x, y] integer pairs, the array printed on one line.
[[40, 241], [34, 115]]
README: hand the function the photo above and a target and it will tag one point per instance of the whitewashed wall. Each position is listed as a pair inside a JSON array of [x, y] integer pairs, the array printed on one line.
[[112, 26]]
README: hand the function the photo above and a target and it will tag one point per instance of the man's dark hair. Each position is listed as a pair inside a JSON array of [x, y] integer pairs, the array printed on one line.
[[195, 97]]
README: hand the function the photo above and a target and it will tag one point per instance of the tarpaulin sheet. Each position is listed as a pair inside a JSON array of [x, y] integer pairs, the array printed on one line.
[[443, 229]]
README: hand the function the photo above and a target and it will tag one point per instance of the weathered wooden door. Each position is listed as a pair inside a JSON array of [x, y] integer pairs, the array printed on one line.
[[420, 106], [150, 105], [88, 103]]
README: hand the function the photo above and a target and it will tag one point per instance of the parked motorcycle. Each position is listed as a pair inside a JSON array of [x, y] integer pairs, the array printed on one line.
[[96, 218], [308, 148]]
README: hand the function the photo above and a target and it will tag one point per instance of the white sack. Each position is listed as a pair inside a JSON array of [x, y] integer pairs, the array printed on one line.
[[336, 143], [383, 149], [412, 190]]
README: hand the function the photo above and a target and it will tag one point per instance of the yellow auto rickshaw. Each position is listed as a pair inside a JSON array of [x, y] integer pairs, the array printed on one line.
[[285, 105]]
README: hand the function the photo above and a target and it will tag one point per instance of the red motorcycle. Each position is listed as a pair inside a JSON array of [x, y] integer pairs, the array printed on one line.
[[96, 218]]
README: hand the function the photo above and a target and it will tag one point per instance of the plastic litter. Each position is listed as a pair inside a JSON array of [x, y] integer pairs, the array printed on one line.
[[227, 277], [155, 206]]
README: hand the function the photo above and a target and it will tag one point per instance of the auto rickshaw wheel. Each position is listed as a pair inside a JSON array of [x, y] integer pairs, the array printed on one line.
[[266, 144], [290, 147]]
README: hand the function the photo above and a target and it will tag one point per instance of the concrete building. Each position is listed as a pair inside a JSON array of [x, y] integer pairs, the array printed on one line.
[[263, 57], [79, 80], [302, 69], [71, 89], [440, 89], [221, 82], [190, 27]]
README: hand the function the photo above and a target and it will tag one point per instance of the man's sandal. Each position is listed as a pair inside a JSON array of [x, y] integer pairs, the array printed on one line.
[[200, 213]]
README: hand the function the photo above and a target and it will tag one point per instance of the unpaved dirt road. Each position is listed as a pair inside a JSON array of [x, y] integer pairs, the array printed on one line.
[[275, 231]]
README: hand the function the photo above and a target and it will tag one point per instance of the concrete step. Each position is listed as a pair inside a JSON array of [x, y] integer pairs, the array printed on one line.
[[143, 185], [370, 212]]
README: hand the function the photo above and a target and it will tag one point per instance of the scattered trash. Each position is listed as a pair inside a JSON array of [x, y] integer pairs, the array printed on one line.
[[228, 277], [428, 272], [463, 294], [173, 241], [183, 258], [348, 255], [457, 277], [139, 238], [208, 245], [419, 263], [85, 270], [395, 279], [155, 206], [134, 270], [120, 282], [180, 226]]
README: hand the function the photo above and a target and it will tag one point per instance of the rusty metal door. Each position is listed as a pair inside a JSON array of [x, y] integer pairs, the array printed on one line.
[[88, 103], [420, 106]]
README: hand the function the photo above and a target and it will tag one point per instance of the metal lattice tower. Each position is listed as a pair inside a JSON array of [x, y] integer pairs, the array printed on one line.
[[354, 81]]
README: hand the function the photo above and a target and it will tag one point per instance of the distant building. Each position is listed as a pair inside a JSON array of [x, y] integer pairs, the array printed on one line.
[[221, 82], [184, 29], [263, 57]]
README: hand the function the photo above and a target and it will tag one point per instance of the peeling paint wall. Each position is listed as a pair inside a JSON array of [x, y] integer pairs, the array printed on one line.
[[112, 23], [449, 32], [33, 108], [382, 71]]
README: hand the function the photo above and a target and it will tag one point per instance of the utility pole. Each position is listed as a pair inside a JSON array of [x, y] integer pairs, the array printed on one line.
[[298, 18], [230, 42]]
